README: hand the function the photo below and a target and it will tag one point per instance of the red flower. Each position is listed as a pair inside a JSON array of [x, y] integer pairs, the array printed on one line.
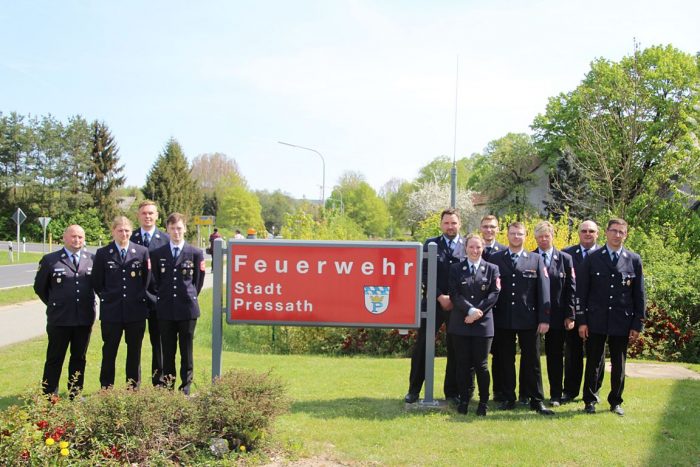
[[42, 424], [25, 455]]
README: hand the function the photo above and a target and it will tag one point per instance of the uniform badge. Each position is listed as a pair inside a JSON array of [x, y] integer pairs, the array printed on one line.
[[58, 280], [377, 299], [111, 250], [133, 250], [184, 272], [629, 282], [483, 286], [562, 275], [157, 235], [483, 269], [162, 270], [464, 268], [133, 273]]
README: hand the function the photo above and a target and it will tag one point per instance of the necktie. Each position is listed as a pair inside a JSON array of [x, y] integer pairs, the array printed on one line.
[[545, 256], [514, 257], [488, 250], [451, 244], [176, 251], [473, 270], [75, 260], [615, 257], [584, 252], [123, 254], [146, 239]]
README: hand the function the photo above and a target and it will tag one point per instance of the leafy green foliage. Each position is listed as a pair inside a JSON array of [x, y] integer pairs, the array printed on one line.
[[151, 426], [89, 219], [274, 206], [362, 205], [632, 129], [238, 207]]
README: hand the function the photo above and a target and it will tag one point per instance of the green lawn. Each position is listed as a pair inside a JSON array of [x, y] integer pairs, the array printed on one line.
[[17, 295], [351, 410], [23, 258]]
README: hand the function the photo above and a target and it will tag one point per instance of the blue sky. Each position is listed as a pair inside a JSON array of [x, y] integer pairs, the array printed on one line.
[[370, 85]]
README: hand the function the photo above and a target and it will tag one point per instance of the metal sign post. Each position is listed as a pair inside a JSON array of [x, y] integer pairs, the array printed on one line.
[[44, 221], [430, 327], [19, 216], [217, 325]]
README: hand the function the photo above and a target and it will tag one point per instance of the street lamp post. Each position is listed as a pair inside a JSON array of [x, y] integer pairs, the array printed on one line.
[[323, 161]]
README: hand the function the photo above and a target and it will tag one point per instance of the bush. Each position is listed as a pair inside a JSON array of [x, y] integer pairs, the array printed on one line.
[[151, 426]]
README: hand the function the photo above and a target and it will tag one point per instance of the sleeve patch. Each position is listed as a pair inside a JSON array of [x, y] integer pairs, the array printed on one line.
[[148, 264], [498, 283]]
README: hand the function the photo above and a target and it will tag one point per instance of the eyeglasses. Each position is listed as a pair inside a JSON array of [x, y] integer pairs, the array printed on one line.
[[588, 231], [517, 234], [620, 233]]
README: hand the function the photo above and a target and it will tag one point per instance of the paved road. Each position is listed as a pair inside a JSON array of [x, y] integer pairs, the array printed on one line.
[[16, 275], [28, 320]]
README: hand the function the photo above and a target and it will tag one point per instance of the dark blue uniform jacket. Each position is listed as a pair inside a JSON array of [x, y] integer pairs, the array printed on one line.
[[177, 283], [562, 288], [479, 290], [67, 292]]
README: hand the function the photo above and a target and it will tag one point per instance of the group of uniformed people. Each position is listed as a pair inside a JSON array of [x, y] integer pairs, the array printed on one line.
[[142, 276], [491, 296]]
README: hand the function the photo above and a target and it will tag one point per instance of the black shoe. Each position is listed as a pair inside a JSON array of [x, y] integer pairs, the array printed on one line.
[[555, 402], [565, 399], [463, 408], [540, 408], [524, 400], [589, 408], [411, 398], [617, 409], [481, 410], [507, 405], [454, 400]]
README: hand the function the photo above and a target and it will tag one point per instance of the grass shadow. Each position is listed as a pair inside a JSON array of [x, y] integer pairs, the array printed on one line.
[[367, 408], [7, 401], [678, 438]]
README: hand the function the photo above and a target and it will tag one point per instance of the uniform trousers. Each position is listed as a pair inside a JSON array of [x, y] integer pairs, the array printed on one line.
[[554, 348], [472, 356], [573, 365], [112, 336], [417, 375], [157, 349], [530, 370], [174, 333], [60, 337], [595, 367]]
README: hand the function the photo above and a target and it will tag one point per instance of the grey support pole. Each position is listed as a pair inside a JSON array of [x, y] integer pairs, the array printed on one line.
[[217, 330], [430, 326]]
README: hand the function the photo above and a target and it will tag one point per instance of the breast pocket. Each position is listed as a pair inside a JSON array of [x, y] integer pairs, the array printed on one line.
[[529, 274]]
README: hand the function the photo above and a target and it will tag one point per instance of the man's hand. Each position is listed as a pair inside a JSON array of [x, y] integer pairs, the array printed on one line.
[[445, 302], [634, 335], [469, 319], [568, 324], [583, 331], [543, 328]]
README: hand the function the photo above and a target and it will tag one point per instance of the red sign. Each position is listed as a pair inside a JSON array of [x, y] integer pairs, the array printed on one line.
[[317, 283]]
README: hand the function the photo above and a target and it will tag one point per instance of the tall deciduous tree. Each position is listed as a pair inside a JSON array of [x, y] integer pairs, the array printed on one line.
[[508, 173], [170, 183], [104, 175], [632, 127], [362, 205], [275, 206], [238, 207]]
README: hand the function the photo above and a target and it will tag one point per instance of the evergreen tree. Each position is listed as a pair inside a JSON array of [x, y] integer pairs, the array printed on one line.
[[104, 175], [171, 185]]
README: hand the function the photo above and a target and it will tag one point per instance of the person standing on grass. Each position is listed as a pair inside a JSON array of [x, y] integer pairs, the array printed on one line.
[[489, 229], [474, 287], [614, 309], [522, 312], [562, 292], [573, 354], [178, 277], [450, 250], [62, 282], [152, 238], [120, 277]]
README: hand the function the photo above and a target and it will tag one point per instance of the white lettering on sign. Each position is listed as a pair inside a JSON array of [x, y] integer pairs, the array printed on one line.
[[256, 289], [298, 306], [367, 268]]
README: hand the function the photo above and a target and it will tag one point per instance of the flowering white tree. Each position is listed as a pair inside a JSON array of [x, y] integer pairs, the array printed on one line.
[[432, 197]]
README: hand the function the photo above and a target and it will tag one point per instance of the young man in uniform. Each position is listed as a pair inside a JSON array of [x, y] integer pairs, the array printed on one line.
[[614, 309], [152, 238], [178, 277]]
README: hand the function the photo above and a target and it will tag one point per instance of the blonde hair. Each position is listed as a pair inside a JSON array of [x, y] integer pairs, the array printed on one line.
[[122, 220], [544, 227]]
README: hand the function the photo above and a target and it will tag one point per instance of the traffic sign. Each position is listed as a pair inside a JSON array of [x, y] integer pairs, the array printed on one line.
[[19, 216], [44, 221]]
